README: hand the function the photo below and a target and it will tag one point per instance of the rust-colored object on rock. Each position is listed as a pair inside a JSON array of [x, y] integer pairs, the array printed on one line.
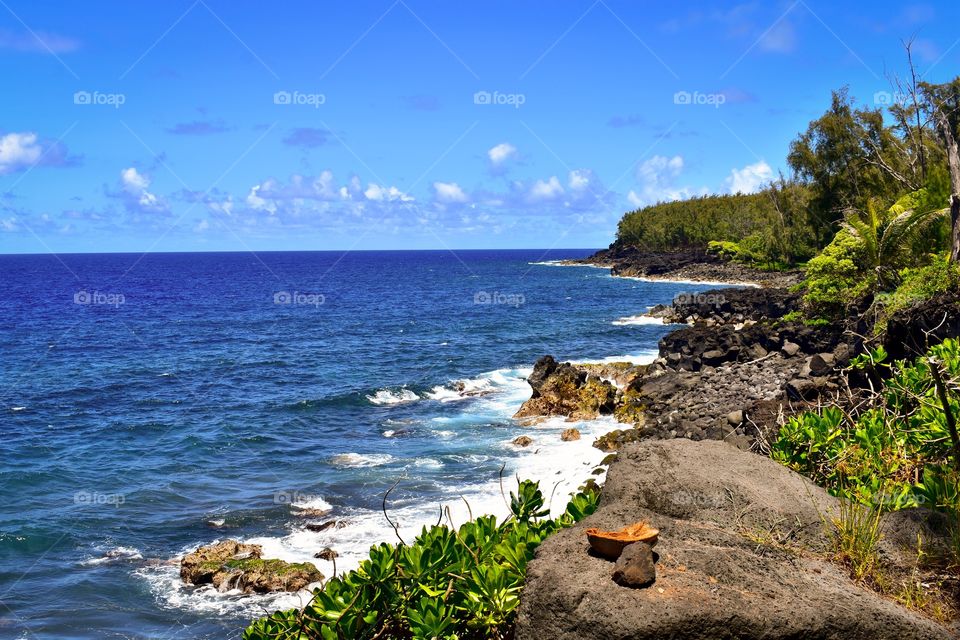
[[610, 544]]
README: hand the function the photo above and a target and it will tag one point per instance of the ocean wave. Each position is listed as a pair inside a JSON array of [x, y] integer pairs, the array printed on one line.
[[311, 503], [645, 357], [116, 554], [392, 397], [356, 460], [638, 320]]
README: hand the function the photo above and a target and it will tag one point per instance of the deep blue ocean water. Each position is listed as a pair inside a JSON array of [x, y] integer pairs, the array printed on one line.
[[150, 404]]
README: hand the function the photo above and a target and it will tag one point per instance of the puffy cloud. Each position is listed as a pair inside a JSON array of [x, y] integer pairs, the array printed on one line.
[[750, 178], [550, 189], [19, 151], [501, 153], [449, 192], [379, 193], [136, 194], [658, 177]]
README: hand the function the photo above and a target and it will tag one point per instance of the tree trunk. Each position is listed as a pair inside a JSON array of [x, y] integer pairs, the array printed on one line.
[[953, 160]]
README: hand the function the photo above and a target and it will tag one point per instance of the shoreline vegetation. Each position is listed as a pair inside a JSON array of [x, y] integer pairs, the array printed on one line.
[[795, 443]]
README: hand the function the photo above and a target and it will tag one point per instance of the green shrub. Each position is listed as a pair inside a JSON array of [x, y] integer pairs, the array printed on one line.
[[836, 278], [917, 284], [462, 583], [897, 453]]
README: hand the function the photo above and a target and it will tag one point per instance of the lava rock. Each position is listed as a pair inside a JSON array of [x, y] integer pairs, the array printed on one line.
[[635, 567]]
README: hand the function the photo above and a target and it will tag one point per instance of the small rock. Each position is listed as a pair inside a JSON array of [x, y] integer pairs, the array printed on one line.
[[317, 527], [523, 441], [635, 566], [735, 418], [569, 435], [790, 349], [822, 364]]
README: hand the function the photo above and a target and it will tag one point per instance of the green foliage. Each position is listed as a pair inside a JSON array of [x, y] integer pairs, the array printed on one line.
[[450, 584], [766, 227], [836, 278], [897, 453], [870, 252], [916, 285]]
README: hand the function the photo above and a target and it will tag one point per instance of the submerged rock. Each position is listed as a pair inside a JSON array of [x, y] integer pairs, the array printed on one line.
[[742, 552], [234, 565]]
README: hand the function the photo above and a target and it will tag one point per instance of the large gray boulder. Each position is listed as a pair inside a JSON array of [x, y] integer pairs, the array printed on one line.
[[742, 554]]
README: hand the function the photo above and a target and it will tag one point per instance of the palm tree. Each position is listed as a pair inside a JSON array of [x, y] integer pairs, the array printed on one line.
[[887, 237]]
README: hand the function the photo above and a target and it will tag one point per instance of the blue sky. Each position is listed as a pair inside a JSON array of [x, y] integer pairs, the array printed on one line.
[[215, 125]]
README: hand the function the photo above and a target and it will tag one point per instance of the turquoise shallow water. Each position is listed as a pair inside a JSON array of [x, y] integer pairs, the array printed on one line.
[[152, 404]]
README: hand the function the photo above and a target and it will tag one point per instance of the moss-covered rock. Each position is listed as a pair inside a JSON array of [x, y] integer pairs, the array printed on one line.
[[234, 565]]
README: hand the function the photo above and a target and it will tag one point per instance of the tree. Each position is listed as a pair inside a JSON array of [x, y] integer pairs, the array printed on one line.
[[943, 105]]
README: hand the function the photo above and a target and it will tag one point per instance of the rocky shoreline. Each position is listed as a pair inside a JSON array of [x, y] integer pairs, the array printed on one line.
[[744, 537]]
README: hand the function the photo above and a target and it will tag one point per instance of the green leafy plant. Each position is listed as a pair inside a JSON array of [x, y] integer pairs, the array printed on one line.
[[462, 583]]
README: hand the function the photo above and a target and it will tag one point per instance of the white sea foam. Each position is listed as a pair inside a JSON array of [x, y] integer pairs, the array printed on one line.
[[390, 396], [17, 409], [303, 502], [116, 554], [355, 460], [559, 466], [645, 357], [708, 283], [638, 320]]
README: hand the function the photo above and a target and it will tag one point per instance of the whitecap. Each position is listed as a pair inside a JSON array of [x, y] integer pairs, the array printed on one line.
[[17, 409], [117, 554], [311, 503], [638, 320], [391, 397], [355, 460]]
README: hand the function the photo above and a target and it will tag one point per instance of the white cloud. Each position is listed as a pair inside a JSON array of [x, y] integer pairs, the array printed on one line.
[[18, 150], [579, 179], [378, 193], [501, 153], [546, 190], [136, 186], [658, 182], [750, 178], [449, 192]]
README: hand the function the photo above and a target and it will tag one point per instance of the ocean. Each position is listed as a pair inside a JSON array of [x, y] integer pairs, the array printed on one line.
[[154, 403]]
